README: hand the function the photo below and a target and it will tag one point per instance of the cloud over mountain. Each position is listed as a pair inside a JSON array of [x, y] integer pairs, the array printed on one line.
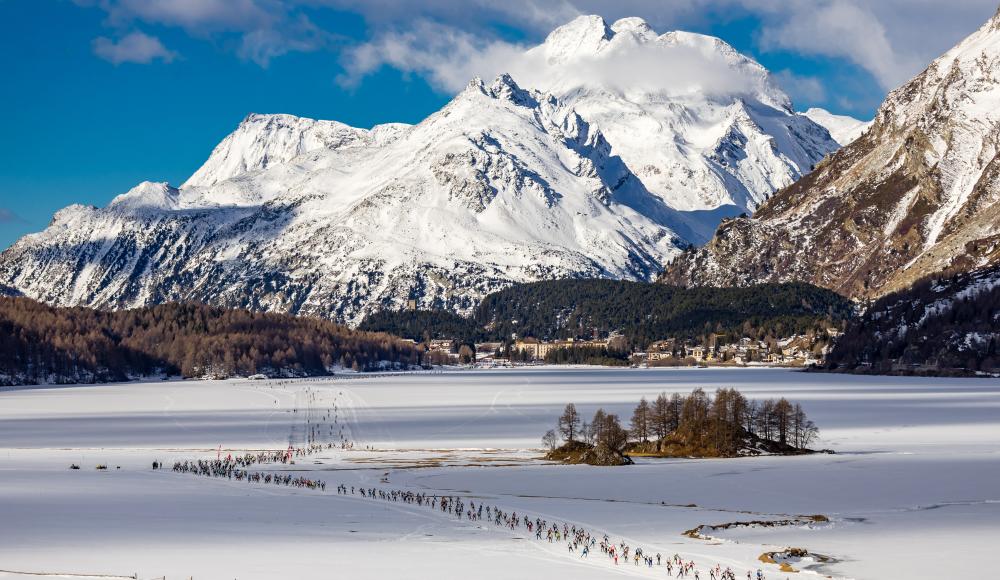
[[890, 39], [136, 47]]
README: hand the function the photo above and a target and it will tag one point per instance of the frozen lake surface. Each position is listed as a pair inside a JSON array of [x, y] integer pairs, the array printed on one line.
[[913, 490]]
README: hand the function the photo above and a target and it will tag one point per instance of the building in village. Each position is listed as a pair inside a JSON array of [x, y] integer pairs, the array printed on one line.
[[537, 349]]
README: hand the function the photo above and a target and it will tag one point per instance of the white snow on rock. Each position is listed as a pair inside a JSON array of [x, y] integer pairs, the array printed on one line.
[[917, 194], [264, 140], [509, 182], [702, 126], [842, 128]]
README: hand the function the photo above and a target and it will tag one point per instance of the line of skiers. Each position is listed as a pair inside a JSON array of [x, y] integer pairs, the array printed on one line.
[[578, 539], [278, 479], [228, 469], [228, 466]]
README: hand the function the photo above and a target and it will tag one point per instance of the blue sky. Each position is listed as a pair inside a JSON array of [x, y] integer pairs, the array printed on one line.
[[102, 94]]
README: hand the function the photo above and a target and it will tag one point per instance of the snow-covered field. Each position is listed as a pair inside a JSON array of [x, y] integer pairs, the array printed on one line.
[[912, 492]]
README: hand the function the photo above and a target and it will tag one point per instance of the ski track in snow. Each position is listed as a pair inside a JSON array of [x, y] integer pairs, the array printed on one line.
[[470, 435]]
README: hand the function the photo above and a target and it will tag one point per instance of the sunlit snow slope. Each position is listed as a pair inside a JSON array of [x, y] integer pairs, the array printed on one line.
[[608, 177]]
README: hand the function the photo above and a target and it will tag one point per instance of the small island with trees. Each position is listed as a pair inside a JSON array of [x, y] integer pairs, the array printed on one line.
[[697, 425]]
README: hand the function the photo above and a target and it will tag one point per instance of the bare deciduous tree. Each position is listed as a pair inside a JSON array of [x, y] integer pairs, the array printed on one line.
[[660, 417], [550, 439], [699, 424], [569, 423], [614, 437], [640, 421], [597, 425]]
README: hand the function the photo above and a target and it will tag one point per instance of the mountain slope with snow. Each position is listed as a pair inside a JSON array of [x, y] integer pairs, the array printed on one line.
[[704, 127], [844, 130], [944, 325], [917, 194], [505, 184], [501, 185], [264, 140]]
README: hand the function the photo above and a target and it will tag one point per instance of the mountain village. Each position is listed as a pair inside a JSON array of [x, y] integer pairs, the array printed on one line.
[[793, 351]]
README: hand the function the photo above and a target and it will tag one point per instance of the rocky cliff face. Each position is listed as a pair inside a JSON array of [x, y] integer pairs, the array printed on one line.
[[916, 194]]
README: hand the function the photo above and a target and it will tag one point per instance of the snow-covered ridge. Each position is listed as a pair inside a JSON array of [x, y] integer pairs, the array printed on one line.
[[842, 128], [509, 182], [263, 140], [502, 185]]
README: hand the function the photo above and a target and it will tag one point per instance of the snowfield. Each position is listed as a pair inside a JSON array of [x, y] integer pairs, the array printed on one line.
[[913, 490]]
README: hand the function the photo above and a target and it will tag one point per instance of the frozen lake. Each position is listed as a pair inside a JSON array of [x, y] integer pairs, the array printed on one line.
[[913, 490]]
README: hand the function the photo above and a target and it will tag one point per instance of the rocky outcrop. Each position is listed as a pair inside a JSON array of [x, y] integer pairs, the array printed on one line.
[[917, 194]]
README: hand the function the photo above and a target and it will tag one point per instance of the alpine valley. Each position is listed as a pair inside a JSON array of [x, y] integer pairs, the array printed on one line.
[[523, 178]]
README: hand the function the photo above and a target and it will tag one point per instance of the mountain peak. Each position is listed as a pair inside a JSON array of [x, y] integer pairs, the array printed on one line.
[[504, 87], [710, 46], [253, 118], [633, 24], [262, 140], [842, 128], [148, 194], [599, 161], [695, 39], [584, 35]]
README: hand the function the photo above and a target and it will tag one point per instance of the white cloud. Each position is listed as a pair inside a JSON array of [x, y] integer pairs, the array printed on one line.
[[449, 58], [647, 68], [878, 37], [263, 29], [892, 39], [801, 88], [136, 47], [9, 217], [473, 16], [192, 15], [263, 44], [841, 29]]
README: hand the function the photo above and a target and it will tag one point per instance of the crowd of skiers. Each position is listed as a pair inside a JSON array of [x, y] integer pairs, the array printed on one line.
[[234, 467], [577, 539], [230, 465]]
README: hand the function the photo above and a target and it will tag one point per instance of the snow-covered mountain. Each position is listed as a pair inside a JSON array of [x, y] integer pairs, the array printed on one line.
[[703, 127], [504, 184], [917, 194], [264, 140], [842, 128]]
